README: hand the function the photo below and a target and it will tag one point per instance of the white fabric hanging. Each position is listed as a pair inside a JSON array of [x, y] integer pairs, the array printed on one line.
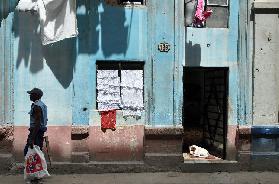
[[27, 5], [57, 18]]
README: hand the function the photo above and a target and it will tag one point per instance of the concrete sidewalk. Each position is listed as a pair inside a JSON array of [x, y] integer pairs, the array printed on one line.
[[155, 178]]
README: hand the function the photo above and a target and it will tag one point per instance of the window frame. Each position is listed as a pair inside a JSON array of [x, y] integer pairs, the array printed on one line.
[[119, 65], [212, 4], [208, 5]]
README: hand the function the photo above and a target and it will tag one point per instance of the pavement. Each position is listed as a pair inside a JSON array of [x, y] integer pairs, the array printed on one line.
[[155, 178]]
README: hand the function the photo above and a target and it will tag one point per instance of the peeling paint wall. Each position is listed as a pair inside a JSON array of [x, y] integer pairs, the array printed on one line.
[[6, 65], [245, 54], [165, 76]]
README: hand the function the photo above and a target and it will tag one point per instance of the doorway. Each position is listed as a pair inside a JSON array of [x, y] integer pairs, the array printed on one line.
[[205, 111]]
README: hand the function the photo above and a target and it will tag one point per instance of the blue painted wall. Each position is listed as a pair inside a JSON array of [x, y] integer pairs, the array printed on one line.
[[245, 54], [217, 47], [6, 66], [66, 71]]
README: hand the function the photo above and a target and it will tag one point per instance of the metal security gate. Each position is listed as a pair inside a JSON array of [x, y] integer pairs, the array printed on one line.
[[215, 110], [205, 109]]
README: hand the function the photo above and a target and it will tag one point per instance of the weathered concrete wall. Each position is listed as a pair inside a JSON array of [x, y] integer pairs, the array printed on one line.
[[266, 66], [6, 139], [125, 143], [258, 110]]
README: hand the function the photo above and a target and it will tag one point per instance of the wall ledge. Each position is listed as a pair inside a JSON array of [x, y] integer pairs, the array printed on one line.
[[163, 132], [271, 4], [80, 130]]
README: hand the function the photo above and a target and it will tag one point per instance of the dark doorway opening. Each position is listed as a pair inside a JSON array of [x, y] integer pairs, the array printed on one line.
[[205, 110]]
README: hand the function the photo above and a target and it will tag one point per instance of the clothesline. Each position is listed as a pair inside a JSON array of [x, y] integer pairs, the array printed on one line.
[[57, 18]]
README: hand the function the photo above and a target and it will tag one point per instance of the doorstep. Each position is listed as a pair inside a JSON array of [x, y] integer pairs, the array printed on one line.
[[193, 161], [210, 166]]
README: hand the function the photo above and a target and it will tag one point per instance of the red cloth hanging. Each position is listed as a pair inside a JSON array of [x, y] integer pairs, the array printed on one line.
[[108, 120]]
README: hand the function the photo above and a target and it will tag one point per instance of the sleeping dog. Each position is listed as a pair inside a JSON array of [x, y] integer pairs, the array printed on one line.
[[197, 151]]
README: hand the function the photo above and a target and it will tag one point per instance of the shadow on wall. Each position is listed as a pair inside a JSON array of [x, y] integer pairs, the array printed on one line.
[[193, 54], [60, 56], [6, 7], [107, 26], [105, 23], [114, 32], [26, 28]]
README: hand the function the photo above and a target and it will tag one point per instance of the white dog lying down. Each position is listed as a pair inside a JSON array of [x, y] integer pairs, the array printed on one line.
[[198, 151]]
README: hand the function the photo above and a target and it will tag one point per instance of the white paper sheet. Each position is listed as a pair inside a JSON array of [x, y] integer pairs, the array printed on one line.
[[108, 86], [132, 92]]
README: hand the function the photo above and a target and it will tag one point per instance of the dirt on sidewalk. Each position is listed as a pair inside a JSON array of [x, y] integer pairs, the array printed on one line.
[[155, 178]]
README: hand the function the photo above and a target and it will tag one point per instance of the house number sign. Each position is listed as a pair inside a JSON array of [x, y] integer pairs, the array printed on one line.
[[164, 47]]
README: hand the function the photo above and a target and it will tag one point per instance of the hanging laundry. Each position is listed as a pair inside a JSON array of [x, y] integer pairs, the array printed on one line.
[[57, 18], [108, 120], [27, 5], [201, 15], [132, 92]]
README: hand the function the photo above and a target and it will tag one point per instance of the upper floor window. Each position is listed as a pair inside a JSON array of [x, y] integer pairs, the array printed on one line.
[[207, 13], [220, 15]]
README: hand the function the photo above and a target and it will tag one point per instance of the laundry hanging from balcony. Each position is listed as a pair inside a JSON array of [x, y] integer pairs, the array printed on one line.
[[57, 18], [196, 13], [201, 14]]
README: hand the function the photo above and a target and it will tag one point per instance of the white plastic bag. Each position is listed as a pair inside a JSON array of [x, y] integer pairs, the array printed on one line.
[[35, 165]]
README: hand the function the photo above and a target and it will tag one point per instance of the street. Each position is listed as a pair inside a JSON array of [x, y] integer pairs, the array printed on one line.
[[155, 178]]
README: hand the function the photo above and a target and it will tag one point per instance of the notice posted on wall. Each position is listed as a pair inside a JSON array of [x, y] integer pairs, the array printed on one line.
[[108, 86], [132, 92], [126, 95]]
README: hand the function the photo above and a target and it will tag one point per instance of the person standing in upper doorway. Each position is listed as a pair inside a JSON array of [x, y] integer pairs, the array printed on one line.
[[38, 120]]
